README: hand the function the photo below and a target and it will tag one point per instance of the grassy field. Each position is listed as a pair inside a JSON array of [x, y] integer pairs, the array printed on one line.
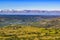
[[32, 32], [29, 33]]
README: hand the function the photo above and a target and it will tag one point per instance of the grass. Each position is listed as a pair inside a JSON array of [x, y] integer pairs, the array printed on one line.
[[42, 30], [29, 33]]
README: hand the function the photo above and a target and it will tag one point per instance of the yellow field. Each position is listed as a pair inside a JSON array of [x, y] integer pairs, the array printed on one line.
[[29, 33]]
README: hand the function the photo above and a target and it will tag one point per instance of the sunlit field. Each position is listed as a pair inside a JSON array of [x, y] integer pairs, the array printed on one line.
[[42, 30]]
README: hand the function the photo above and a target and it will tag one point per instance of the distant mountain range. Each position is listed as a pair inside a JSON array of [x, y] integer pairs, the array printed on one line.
[[29, 11]]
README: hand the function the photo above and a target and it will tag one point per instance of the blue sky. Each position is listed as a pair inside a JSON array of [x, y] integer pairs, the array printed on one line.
[[30, 4]]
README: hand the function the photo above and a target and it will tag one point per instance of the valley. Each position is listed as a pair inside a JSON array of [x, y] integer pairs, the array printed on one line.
[[29, 27]]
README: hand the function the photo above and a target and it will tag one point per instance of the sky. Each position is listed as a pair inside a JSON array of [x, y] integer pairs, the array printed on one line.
[[30, 4]]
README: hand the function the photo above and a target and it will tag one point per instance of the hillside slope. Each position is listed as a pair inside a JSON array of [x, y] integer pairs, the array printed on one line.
[[43, 30]]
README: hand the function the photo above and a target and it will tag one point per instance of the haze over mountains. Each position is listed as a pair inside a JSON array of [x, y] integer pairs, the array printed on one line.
[[30, 12], [21, 11]]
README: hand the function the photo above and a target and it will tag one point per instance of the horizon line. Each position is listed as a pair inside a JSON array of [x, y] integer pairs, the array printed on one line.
[[33, 9]]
